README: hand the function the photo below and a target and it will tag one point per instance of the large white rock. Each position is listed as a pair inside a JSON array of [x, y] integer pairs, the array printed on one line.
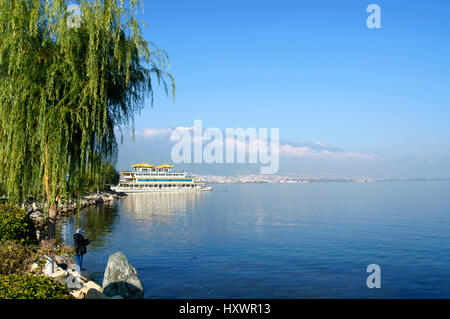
[[121, 278]]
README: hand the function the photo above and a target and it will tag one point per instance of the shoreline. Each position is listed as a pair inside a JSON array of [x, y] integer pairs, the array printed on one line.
[[37, 210], [61, 268]]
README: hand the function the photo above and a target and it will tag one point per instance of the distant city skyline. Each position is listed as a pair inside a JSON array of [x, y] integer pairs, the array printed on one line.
[[377, 100]]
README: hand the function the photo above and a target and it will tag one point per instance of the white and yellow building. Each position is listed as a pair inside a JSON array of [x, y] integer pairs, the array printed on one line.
[[150, 178]]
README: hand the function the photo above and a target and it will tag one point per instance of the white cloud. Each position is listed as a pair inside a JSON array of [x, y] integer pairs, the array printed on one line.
[[315, 150], [150, 133], [288, 150], [154, 132]]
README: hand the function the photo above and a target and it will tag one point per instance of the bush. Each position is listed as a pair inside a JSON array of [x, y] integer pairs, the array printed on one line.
[[16, 258], [32, 287], [16, 225], [52, 249]]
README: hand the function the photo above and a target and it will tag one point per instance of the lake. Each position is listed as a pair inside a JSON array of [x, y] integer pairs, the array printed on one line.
[[278, 240]]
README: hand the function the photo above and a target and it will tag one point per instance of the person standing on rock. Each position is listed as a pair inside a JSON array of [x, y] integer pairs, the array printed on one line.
[[80, 244]]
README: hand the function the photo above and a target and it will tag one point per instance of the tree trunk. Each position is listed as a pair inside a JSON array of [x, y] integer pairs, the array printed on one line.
[[52, 212], [53, 209]]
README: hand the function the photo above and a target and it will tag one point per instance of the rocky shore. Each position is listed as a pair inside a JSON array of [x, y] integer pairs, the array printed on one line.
[[120, 280], [120, 277], [36, 210]]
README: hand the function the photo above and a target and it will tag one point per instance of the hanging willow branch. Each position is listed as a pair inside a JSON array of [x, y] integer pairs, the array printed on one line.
[[64, 89]]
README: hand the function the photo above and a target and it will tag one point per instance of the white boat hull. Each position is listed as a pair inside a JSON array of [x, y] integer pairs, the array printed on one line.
[[129, 190]]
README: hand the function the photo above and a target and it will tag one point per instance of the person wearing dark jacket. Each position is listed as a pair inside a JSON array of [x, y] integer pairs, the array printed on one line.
[[80, 244]]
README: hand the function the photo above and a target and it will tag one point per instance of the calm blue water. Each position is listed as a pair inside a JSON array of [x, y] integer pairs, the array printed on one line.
[[279, 240]]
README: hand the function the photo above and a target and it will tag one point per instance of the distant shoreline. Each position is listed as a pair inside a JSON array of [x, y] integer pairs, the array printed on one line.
[[259, 179]]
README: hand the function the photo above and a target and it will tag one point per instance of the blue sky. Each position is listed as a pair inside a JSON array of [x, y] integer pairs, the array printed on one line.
[[310, 68]]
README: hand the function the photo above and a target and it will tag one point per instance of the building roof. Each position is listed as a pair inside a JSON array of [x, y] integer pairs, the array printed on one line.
[[146, 165], [164, 166], [142, 165]]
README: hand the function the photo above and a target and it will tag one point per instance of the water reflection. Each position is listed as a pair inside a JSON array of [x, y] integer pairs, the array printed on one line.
[[97, 223], [163, 207]]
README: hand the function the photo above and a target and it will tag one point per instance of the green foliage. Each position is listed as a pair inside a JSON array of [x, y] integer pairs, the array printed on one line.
[[110, 175], [63, 90], [51, 249], [102, 177], [31, 287], [16, 258], [16, 225]]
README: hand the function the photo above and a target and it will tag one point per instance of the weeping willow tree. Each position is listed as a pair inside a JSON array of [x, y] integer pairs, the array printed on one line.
[[101, 176], [64, 88]]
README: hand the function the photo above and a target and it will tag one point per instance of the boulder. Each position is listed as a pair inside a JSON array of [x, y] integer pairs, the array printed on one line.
[[72, 268], [92, 285], [108, 199], [73, 282], [63, 261], [34, 267], [95, 294], [78, 294], [121, 278], [59, 273], [37, 216]]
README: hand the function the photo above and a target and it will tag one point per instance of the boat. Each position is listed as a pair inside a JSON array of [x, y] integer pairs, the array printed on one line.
[[146, 178]]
